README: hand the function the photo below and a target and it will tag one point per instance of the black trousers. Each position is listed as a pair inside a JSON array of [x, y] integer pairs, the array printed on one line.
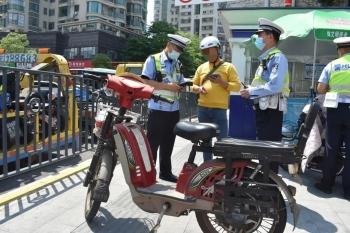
[[269, 127], [338, 129], [160, 134]]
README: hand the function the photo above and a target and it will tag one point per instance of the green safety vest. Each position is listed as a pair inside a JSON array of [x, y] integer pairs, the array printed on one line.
[[173, 77], [258, 80], [339, 81]]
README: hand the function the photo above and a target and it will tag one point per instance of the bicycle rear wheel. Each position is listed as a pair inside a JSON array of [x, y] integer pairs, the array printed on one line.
[[261, 221]]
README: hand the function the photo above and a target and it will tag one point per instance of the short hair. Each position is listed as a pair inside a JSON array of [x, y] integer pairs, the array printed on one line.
[[275, 34]]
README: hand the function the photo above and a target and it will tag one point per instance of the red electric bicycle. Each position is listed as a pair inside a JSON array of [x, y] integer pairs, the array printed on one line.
[[236, 192]]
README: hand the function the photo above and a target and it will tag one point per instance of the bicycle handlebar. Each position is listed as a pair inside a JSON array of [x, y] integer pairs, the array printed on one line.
[[157, 98]]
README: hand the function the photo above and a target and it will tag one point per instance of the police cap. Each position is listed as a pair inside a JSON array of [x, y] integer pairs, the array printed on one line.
[[342, 42], [180, 41], [265, 24]]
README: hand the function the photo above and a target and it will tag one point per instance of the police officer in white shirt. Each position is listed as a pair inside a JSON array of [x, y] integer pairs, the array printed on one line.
[[335, 83], [270, 84], [162, 71]]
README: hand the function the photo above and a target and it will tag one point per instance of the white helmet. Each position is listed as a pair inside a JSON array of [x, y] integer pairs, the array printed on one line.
[[209, 42]]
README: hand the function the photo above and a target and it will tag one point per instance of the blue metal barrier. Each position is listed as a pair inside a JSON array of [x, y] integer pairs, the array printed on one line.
[[242, 118]]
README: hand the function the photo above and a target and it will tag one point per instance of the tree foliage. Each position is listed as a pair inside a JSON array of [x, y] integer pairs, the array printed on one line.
[[15, 43], [101, 60], [191, 58], [154, 41], [139, 48]]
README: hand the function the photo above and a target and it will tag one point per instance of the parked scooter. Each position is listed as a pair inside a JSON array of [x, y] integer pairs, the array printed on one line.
[[228, 194], [315, 150]]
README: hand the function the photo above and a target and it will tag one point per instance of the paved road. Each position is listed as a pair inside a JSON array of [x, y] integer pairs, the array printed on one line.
[[59, 208]]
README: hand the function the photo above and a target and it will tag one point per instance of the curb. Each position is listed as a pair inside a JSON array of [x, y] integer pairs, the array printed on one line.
[[37, 185]]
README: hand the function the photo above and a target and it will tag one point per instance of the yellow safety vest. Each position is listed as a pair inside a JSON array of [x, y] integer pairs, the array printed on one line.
[[173, 77], [275, 101], [258, 80], [339, 81]]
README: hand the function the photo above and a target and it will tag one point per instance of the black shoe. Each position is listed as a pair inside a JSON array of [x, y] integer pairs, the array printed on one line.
[[320, 186], [170, 178]]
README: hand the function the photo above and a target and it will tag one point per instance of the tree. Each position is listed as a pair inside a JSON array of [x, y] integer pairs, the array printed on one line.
[[138, 48], [102, 61], [192, 57], [154, 41], [15, 43]]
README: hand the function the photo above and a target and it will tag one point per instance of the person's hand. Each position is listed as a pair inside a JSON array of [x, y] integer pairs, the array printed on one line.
[[215, 78], [173, 87], [245, 93], [202, 90]]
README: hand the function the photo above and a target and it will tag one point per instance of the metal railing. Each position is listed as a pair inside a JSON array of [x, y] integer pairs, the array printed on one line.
[[47, 117]]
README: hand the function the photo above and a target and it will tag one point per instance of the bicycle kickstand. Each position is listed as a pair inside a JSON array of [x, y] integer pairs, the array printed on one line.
[[165, 206]]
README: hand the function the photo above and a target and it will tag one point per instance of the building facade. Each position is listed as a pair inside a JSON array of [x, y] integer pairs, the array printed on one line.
[[203, 19], [118, 17], [198, 19]]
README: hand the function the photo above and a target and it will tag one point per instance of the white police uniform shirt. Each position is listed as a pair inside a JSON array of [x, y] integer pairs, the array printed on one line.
[[325, 77]]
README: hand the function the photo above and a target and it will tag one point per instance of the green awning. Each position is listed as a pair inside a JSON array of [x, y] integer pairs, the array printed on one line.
[[325, 25]]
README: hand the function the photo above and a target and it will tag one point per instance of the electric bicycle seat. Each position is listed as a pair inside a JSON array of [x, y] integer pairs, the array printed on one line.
[[282, 152], [196, 132]]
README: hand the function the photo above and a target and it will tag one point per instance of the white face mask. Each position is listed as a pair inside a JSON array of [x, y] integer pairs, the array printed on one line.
[[173, 55]]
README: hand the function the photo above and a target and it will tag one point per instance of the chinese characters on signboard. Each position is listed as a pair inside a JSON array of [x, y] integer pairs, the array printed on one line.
[[19, 60], [80, 64], [18, 57], [330, 34], [336, 34]]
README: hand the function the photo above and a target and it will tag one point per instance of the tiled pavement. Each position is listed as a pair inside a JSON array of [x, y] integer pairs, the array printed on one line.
[[59, 208]]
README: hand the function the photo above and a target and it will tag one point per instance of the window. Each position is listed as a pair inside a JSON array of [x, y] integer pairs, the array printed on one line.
[[87, 52], [34, 7], [196, 26], [51, 12], [16, 19], [16, 5], [120, 13], [76, 8], [94, 7], [44, 24], [3, 9], [134, 8], [45, 11], [52, 0], [51, 25], [207, 20], [120, 2], [63, 11], [133, 21], [33, 21], [197, 9], [71, 53]]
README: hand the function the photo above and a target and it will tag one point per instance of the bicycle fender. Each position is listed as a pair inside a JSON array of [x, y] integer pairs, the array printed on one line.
[[294, 207]]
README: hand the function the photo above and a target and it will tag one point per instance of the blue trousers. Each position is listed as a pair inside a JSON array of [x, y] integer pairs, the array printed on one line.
[[338, 129], [217, 116]]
